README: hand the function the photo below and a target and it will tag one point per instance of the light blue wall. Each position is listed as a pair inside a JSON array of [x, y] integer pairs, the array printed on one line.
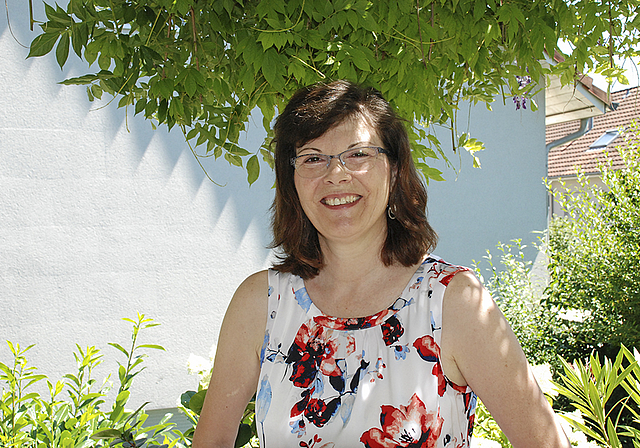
[[474, 209], [102, 217]]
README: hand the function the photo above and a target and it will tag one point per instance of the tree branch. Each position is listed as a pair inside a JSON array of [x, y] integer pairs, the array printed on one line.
[[424, 62]]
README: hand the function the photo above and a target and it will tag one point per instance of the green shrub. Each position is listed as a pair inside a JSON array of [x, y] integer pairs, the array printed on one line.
[[72, 415], [518, 290], [595, 262]]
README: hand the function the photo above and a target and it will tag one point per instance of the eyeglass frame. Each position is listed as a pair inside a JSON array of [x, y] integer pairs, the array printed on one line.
[[379, 150]]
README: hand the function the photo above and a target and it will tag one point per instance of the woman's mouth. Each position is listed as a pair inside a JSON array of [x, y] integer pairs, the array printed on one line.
[[341, 200]]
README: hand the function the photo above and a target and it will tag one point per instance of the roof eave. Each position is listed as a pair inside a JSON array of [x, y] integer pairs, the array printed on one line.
[[568, 103]]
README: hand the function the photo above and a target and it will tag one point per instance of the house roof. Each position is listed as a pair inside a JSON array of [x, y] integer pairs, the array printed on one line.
[[572, 102], [564, 159]]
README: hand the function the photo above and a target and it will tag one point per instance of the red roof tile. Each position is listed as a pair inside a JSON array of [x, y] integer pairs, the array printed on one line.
[[563, 159]]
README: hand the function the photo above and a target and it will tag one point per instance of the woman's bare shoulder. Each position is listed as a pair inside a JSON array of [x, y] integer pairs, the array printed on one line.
[[466, 293], [249, 303], [253, 287]]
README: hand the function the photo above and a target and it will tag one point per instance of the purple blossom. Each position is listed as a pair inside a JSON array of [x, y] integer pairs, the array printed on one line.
[[521, 100]]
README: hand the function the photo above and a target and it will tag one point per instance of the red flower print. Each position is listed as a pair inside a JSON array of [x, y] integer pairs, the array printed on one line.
[[405, 427], [430, 352], [319, 413], [427, 348], [314, 443], [313, 349], [391, 330], [301, 405], [442, 381], [447, 278], [304, 370]]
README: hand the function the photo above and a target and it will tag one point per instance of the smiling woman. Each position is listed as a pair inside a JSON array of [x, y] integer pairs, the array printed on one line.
[[343, 204], [360, 117], [358, 336]]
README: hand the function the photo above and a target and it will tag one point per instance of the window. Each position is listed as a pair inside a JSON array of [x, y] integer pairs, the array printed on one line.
[[604, 139]]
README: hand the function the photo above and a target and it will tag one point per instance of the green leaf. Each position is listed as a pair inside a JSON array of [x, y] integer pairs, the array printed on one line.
[[614, 442], [153, 346], [244, 435], [43, 44], [233, 159], [79, 37], [430, 173], [253, 169], [185, 398], [62, 51], [119, 347], [125, 101], [106, 434], [140, 106], [269, 67], [237, 150], [197, 400], [586, 430], [122, 397], [267, 40], [190, 84], [96, 90], [104, 61], [165, 87], [359, 59]]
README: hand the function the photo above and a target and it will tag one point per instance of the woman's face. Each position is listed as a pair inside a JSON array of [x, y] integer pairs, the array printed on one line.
[[344, 205]]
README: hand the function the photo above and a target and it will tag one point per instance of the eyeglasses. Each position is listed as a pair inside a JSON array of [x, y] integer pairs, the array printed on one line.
[[356, 160]]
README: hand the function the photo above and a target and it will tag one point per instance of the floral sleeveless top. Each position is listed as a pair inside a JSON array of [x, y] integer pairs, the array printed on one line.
[[372, 381]]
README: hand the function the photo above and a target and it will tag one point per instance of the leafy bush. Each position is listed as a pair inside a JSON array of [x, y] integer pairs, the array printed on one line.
[[518, 290], [591, 306], [72, 415], [592, 303], [595, 260]]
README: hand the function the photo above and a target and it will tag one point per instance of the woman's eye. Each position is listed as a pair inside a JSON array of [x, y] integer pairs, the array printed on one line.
[[358, 154], [312, 159]]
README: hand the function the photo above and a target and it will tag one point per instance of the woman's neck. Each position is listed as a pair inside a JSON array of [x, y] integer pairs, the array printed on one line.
[[354, 282]]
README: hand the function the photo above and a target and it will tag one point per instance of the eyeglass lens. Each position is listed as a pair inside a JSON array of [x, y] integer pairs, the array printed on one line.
[[355, 159]]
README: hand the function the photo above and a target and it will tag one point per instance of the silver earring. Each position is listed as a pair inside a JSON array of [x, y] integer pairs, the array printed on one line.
[[391, 212]]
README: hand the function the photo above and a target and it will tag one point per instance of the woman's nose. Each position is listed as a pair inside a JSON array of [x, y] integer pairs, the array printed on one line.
[[336, 171]]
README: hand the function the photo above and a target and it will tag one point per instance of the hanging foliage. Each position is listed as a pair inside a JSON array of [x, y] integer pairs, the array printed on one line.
[[205, 65]]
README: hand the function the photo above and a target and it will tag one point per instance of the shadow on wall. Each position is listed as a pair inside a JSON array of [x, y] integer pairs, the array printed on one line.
[[128, 147]]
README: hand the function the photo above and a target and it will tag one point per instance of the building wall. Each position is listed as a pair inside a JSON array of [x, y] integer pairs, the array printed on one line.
[[505, 199], [102, 218], [567, 184]]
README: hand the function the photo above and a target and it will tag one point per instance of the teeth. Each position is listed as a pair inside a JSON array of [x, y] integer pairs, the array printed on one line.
[[341, 201]]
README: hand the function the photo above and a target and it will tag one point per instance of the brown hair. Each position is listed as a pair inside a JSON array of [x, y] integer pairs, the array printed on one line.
[[310, 113]]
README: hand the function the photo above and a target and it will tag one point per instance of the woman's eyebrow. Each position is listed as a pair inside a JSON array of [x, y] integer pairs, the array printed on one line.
[[365, 143], [298, 151], [352, 145]]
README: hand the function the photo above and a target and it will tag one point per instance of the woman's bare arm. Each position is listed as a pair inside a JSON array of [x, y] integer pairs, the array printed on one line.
[[236, 366], [479, 349]]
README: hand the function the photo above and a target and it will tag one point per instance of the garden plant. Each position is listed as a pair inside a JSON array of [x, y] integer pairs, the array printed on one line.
[[583, 316], [75, 414]]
